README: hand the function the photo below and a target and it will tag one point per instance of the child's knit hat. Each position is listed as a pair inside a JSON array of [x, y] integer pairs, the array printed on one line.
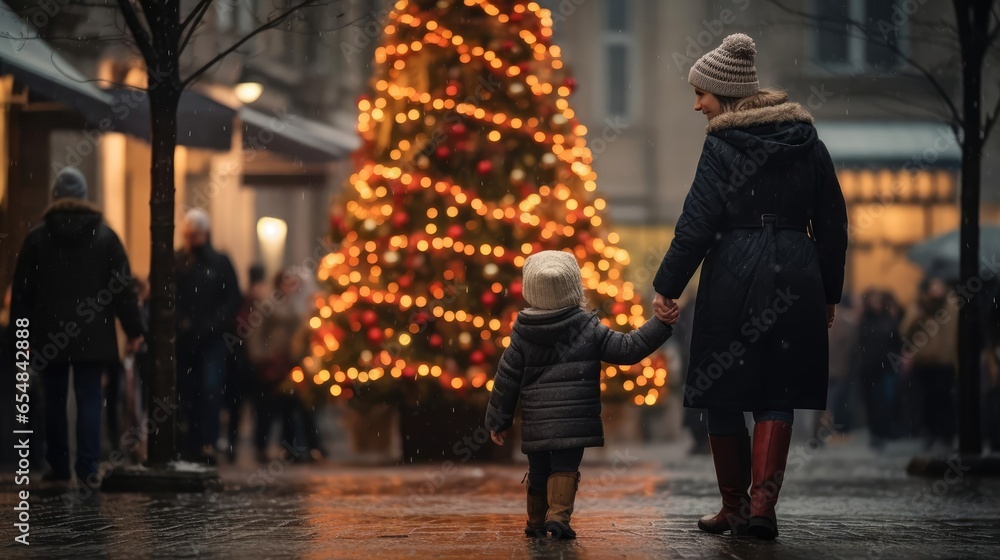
[[552, 280], [728, 70]]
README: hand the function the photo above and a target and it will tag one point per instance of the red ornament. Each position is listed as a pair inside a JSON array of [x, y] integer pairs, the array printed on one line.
[[375, 335], [570, 83], [618, 308], [400, 219], [488, 299], [369, 318], [435, 340], [484, 167], [443, 152], [515, 288], [459, 129], [524, 67], [405, 281], [477, 357], [455, 231], [337, 223], [516, 17], [421, 317], [508, 45], [453, 88], [409, 371]]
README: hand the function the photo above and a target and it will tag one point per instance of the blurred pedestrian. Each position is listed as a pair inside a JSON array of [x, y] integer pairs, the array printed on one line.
[[273, 353], [553, 367], [843, 339], [766, 221], [71, 281], [208, 297], [240, 377], [930, 332], [873, 365]]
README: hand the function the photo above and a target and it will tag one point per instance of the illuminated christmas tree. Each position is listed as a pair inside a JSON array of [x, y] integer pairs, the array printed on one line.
[[472, 160]]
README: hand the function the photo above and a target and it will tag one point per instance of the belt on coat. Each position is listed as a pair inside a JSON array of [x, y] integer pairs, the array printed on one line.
[[770, 220]]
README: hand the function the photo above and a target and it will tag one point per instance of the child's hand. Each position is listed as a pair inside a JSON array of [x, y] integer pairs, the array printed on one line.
[[497, 438], [666, 310]]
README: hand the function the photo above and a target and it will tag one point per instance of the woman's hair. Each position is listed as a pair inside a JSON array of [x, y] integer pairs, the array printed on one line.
[[766, 97]]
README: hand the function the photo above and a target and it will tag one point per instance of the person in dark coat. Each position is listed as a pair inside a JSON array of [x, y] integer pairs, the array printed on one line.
[[766, 215], [208, 298], [878, 341], [71, 281], [843, 342], [239, 367], [553, 368]]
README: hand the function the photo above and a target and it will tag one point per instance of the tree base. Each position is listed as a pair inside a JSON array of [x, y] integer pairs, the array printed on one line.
[[955, 466], [177, 477]]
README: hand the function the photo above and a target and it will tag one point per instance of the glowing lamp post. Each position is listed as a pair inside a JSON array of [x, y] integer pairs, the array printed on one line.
[[271, 233]]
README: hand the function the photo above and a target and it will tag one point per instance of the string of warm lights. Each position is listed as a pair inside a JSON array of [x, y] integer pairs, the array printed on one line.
[[460, 196]]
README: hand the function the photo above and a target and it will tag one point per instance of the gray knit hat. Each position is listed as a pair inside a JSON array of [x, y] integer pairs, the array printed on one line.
[[552, 280], [728, 70], [69, 183]]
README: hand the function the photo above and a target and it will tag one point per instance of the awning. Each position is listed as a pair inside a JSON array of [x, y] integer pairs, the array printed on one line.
[[295, 137], [891, 143], [32, 61], [202, 122]]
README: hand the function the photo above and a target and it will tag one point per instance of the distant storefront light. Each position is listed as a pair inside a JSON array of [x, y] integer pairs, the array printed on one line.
[[248, 92]]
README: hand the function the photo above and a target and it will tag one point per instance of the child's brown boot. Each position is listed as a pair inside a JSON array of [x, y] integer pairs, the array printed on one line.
[[562, 495], [538, 505]]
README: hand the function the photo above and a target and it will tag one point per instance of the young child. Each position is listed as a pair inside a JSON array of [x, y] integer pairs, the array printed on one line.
[[553, 366]]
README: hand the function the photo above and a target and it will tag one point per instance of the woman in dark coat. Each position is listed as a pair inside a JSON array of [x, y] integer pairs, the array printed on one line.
[[766, 215]]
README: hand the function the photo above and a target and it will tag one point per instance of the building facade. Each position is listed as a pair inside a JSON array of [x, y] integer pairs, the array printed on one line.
[[883, 122]]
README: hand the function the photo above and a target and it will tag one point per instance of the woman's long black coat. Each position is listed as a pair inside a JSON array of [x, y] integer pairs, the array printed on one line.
[[766, 215]]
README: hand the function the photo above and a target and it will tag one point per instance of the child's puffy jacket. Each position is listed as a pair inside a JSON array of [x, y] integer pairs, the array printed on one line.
[[553, 366]]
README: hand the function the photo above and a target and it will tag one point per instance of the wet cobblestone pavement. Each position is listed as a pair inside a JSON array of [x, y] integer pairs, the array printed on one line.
[[834, 505]]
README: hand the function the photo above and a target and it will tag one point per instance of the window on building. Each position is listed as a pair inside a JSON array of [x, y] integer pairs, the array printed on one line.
[[223, 16], [619, 52], [846, 48], [246, 15]]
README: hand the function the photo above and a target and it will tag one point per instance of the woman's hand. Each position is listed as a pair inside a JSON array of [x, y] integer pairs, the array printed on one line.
[[666, 309], [497, 438], [831, 312]]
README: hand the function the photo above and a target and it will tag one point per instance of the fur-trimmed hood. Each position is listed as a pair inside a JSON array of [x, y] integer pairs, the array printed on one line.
[[72, 220], [786, 112], [782, 130]]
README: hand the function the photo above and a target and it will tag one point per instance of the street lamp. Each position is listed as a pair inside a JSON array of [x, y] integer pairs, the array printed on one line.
[[248, 92], [271, 233]]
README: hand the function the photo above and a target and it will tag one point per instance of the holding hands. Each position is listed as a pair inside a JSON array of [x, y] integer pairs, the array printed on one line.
[[666, 309]]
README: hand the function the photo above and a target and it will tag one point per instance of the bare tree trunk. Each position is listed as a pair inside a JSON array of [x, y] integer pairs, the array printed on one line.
[[973, 18], [164, 98]]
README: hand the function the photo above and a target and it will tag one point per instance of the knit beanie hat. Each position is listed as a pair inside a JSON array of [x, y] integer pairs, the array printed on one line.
[[552, 280], [729, 69], [69, 183]]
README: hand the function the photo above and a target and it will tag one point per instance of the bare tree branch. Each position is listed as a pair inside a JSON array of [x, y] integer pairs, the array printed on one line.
[[193, 19], [991, 119], [139, 33], [269, 24], [955, 114], [196, 14]]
